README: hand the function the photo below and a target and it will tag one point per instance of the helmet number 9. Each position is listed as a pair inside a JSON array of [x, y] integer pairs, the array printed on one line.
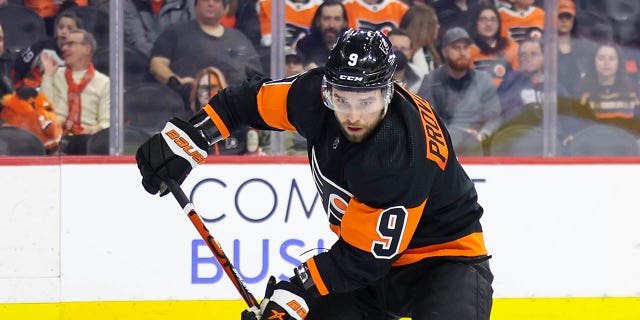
[[353, 59]]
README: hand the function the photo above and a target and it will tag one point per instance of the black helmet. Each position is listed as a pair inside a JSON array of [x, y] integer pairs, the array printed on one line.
[[361, 59]]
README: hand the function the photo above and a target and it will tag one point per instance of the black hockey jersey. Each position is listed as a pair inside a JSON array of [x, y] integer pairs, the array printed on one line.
[[395, 198]]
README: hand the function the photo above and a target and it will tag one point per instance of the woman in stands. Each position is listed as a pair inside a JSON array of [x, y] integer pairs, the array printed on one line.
[[421, 23], [490, 51], [607, 92], [207, 83]]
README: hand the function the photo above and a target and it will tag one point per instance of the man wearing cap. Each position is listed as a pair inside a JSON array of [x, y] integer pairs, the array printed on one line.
[[465, 98]]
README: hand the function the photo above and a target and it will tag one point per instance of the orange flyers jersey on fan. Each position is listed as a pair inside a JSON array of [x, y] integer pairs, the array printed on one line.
[[298, 18], [520, 25], [383, 16], [496, 64]]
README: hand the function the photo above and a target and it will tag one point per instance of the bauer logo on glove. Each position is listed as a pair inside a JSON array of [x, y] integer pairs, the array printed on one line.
[[179, 141]]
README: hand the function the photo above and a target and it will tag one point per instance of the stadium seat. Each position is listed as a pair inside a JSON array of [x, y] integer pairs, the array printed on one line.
[[150, 105], [517, 140], [16, 141], [98, 144], [22, 27], [95, 21], [603, 140]]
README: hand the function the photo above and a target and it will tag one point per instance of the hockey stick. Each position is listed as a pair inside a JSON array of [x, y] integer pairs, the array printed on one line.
[[220, 256]]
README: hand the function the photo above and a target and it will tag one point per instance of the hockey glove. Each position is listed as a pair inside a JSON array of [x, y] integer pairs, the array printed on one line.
[[284, 300], [170, 154]]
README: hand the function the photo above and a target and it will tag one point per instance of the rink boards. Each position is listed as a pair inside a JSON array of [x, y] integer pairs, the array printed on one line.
[[80, 238]]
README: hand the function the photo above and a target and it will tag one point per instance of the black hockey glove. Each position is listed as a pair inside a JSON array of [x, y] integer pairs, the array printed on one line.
[[170, 154], [282, 300]]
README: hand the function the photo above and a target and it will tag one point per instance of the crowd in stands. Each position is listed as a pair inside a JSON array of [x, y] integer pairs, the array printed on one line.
[[480, 63]]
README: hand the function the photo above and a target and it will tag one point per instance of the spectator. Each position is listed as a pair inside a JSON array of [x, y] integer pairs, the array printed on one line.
[[607, 94], [523, 20], [48, 10], [208, 82], [184, 49], [401, 45], [6, 62], [421, 23], [298, 16], [28, 109], [383, 15], [144, 20], [571, 66], [79, 93], [28, 68], [329, 21], [465, 98], [521, 92], [490, 51]]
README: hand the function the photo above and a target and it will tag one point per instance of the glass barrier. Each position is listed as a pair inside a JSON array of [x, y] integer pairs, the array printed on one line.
[[557, 78]]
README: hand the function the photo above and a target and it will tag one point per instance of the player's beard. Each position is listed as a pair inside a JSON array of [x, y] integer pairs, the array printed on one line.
[[365, 130], [459, 64]]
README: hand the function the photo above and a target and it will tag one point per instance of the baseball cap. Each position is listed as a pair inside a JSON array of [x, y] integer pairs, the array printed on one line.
[[454, 34], [292, 55], [566, 6]]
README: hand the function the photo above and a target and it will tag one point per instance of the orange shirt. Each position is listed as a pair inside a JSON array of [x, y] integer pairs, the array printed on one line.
[[383, 16], [48, 8], [298, 18], [520, 25], [497, 64]]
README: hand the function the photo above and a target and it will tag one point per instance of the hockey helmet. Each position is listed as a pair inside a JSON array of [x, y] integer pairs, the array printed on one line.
[[361, 60]]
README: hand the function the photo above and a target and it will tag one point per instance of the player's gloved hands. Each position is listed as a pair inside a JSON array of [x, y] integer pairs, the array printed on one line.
[[284, 300], [170, 154], [252, 313], [255, 313]]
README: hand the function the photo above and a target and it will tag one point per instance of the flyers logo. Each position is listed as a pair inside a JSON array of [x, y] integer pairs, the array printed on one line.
[[384, 26], [519, 34], [335, 199], [497, 68]]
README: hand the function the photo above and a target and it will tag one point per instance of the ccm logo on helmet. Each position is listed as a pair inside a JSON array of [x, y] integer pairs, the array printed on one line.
[[185, 145], [350, 78]]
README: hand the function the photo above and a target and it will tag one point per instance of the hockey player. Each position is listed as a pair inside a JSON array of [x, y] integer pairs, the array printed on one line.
[[410, 241]]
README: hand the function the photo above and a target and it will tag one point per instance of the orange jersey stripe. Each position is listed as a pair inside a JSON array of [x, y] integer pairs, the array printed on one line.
[[468, 246], [217, 121], [381, 16], [362, 226], [272, 104], [317, 279]]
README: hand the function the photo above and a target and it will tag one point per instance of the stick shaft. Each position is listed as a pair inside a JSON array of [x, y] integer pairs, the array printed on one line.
[[220, 256]]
